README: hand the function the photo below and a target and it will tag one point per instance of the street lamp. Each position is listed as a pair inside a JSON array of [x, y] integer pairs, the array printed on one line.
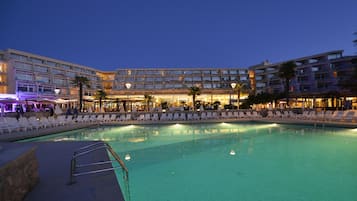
[[57, 109], [128, 86], [233, 85], [57, 91]]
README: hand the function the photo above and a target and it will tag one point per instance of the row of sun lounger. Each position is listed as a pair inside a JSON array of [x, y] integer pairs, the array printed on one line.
[[10, 124], [330, 116]]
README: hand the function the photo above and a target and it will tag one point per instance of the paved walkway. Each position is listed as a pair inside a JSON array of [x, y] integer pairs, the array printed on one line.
[[54, 167]]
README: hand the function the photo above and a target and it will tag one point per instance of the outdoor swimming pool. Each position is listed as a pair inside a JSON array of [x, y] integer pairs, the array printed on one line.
[[232, 161]]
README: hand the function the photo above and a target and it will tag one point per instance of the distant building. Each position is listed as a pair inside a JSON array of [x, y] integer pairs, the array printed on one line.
[[316, 77]]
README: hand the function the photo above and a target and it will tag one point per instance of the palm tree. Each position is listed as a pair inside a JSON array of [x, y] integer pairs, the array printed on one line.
[[238, 88], [287, 72], [148, 99], [194, 91], [80, 81], [100, 95]]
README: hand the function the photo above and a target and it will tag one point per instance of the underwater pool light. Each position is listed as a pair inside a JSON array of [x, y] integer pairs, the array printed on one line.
[[127, 157], [232, 152]]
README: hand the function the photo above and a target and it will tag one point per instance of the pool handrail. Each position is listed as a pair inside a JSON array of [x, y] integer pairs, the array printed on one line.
[[91, 148]]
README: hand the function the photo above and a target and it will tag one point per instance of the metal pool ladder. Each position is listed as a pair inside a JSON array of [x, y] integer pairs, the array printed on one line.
[[89, 149]]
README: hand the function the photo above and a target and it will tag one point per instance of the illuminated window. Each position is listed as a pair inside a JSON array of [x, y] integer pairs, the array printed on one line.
[[24, 87], [188, 79], [20, 76], [333, 56], [23, 66], [242, 72], [243, 78], [3, 89], [38, 61], [196, 79], [57, 71], [178, 86], [233, 72], [313, 61], [66, 67], [335, 74], [58, 81], [50, 63], [18, 57], [42, 69], [40, 78], [207, 86], [71, 74], [2, 67], [315, 68], [215, 79]]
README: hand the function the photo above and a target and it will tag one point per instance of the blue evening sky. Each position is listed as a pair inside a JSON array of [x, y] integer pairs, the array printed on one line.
[[110, 34]]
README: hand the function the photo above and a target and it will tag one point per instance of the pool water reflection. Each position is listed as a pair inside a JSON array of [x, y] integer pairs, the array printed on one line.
[[232, 161]]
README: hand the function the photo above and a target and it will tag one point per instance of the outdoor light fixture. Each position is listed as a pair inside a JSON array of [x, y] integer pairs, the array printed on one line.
[[233, 85], [57, 91], [127, 85], [127, 157], [232, 152]]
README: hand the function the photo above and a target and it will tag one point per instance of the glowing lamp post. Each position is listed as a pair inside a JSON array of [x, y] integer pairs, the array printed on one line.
[[57, 91], [128, 86], [233, 85]]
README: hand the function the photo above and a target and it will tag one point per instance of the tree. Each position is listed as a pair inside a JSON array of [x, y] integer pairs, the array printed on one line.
[[194, 91], [100, 95], [287, 72], [80, 81], [238, 88], [148, 99]]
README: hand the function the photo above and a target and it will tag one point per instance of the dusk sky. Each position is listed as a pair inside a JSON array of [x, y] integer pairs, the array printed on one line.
[[111, 34]]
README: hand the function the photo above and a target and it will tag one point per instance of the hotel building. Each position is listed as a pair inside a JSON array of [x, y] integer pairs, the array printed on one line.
[[29, 77], [33, 77], [317, 78]]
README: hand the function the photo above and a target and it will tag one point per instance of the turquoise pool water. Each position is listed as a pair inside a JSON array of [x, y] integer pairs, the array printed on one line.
[[232, 161]]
